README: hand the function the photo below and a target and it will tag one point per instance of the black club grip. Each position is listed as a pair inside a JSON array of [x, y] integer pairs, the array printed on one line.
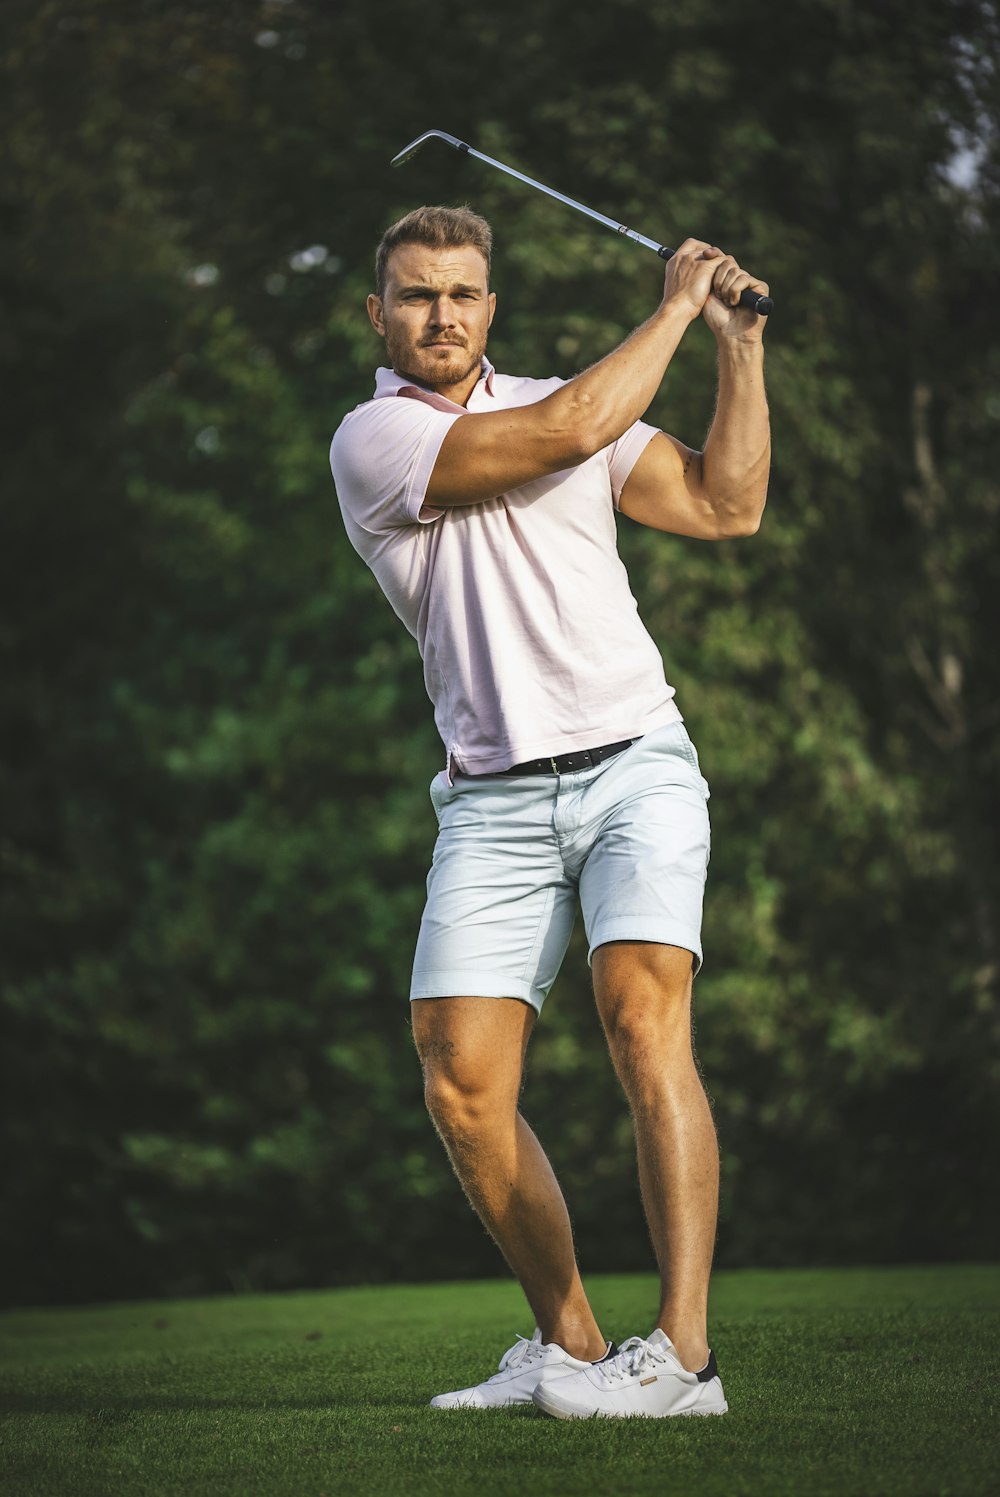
[[757, 302]]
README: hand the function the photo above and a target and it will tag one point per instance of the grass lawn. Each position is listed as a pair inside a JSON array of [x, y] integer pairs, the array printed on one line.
[[839, 1381]]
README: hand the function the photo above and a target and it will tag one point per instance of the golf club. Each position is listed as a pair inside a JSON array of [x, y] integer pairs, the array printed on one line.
[[762, 305]]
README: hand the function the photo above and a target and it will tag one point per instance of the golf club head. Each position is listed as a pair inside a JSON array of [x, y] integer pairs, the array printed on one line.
[[414, 146]]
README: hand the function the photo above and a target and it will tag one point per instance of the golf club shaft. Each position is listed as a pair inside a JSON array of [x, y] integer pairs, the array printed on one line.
[[754, 300]]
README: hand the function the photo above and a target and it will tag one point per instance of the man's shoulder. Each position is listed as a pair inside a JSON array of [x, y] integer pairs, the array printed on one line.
[[382, 454], [383, 413], [384, 408]]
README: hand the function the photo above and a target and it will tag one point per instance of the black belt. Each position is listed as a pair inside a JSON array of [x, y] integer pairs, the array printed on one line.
[[570, 763]]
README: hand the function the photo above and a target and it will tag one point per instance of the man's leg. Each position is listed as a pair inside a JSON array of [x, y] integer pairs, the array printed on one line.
[[472, 1053], [643, 993]]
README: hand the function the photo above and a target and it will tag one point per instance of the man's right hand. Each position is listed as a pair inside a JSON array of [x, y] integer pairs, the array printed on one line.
[[688, 279]]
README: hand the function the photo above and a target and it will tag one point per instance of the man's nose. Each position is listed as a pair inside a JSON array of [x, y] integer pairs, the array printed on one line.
[[443, 312]]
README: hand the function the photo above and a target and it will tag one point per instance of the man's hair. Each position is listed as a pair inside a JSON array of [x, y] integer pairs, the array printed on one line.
[[440, 228]]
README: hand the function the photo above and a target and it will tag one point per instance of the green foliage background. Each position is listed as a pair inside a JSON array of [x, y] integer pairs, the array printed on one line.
[[216, 741]]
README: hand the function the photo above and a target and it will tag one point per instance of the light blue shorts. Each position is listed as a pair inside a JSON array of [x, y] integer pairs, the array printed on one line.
[[628, 839]]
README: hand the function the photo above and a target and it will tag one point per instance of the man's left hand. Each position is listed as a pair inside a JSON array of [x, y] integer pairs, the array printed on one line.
[[721, 311]]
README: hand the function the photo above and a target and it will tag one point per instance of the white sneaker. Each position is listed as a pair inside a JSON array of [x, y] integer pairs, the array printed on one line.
[[522, 1370], [645, 1378]]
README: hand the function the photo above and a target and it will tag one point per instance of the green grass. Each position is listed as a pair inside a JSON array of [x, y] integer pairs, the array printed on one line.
[[845, 1381]]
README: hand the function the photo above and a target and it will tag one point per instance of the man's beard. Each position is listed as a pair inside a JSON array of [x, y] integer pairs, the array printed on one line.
[[457, 368]]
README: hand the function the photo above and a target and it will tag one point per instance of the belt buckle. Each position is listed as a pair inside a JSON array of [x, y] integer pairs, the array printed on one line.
[[555, 767]]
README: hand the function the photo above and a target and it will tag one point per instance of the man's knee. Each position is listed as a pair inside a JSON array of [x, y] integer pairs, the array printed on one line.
[[471, 1053], [464, 1094], [455, 1103]]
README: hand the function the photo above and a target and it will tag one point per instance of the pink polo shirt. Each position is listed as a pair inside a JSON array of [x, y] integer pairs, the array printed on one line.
[[521, 607]]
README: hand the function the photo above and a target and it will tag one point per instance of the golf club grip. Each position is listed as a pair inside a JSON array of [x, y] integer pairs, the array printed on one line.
[[754, 301], [757, 302]]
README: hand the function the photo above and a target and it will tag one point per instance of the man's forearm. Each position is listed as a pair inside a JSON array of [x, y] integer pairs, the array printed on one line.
[[736, 459]]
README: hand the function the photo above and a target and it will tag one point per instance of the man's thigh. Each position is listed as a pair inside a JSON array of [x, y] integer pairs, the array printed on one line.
[[642, 986]]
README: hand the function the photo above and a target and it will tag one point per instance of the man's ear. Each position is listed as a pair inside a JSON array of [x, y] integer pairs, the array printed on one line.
[[376, 315], [493, 307]]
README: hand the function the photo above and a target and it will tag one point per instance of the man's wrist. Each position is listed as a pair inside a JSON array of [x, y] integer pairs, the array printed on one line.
[[677, 310], [742, 348]]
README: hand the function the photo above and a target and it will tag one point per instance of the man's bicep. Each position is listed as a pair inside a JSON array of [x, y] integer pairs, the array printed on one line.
[[487, 454], [664, 490]]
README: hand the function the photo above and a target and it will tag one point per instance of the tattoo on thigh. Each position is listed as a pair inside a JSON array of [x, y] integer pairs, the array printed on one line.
[[438, 1050]]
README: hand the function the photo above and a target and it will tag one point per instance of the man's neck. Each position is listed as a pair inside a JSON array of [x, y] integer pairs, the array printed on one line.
[[458, 394]]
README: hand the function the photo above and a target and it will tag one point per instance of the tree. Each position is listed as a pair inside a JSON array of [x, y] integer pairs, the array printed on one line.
[[217, 738]]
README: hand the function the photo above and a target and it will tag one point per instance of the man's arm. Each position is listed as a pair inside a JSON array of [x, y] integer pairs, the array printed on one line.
[[485, 454], [720, 492]]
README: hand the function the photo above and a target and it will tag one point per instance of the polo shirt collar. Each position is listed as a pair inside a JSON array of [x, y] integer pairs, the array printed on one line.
[[388, 382]]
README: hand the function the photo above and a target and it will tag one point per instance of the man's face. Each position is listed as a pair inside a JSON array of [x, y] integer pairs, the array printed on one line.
[[435, 316]]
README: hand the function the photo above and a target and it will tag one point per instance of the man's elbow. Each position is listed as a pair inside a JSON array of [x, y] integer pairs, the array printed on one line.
[[748, 526], [571, 427], [737, 500], [740, 523]]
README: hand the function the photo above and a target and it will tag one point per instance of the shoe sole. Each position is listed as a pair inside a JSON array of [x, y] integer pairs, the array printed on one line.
[[507, 1403], [559, 1410]]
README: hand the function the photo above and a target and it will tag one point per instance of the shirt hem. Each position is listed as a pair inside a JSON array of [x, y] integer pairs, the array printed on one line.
[[521, 753]]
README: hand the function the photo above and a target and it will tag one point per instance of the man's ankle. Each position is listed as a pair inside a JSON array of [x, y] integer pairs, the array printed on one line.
[[692, 1349], [585, 1346]]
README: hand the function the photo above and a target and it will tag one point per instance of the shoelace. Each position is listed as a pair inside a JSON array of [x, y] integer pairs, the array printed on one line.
[[633, 1356], [523, 1350]]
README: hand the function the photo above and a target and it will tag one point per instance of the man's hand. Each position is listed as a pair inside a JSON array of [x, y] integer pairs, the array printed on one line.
[[690, 274], [721, 309]]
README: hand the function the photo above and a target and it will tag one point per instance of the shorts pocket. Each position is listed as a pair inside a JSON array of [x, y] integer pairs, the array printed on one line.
[[689, 754], [438, 791], [687, 748]]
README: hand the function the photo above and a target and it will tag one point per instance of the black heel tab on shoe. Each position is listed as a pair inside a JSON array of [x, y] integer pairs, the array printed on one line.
[[709, 1370]]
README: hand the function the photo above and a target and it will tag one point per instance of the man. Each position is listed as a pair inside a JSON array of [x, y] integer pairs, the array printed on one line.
[[484, 504]]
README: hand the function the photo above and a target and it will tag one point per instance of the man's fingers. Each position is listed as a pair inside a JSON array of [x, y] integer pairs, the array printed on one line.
[[731, 281], [697, 249], [727, 277]]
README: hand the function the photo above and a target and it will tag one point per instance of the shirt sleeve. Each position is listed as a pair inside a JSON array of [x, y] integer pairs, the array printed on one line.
[[382, 457], [625, 453]]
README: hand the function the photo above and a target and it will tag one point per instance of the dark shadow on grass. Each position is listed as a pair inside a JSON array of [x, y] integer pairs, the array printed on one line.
[[119, 1408]]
